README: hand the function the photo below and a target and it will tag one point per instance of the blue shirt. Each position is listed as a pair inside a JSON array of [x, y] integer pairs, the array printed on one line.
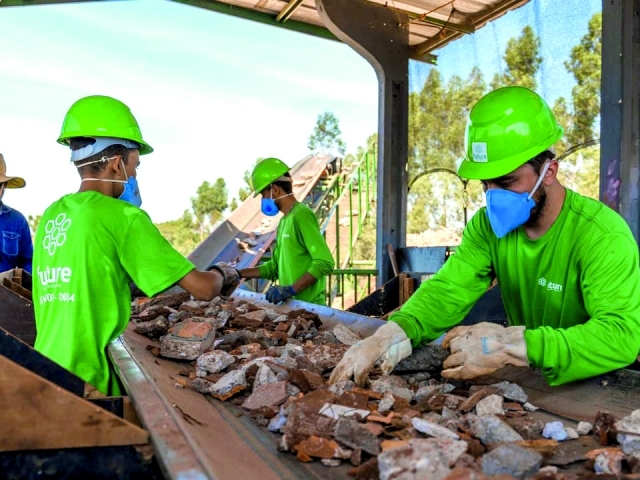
[[16, 247]]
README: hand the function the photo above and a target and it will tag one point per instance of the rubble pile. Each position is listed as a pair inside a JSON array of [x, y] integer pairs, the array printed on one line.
[[412, 424]]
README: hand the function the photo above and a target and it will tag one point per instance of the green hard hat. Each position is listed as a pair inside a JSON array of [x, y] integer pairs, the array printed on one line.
[[101, 116], [266, 172], [507, 128]]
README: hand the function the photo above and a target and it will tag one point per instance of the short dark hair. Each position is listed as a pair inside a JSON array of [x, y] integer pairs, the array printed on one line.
[[110, 151], [539, 160], [286, 186]]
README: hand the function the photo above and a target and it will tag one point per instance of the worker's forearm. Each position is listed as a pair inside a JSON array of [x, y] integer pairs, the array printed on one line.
[[202, 285], [303, 282], [249, 273]]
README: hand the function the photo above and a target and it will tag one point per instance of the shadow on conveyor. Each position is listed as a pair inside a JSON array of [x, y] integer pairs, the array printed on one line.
[[420, 263]]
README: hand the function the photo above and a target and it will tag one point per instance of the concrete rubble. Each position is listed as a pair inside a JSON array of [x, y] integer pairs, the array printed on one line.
[[274, 364]]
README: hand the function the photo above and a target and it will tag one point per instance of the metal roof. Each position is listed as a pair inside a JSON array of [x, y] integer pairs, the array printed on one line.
[[432, 23]]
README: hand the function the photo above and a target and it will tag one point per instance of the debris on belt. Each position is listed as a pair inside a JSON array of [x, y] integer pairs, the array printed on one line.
[[274, 365]]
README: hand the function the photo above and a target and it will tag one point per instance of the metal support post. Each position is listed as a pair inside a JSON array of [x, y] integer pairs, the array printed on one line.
[[620, 114], [381, 36]]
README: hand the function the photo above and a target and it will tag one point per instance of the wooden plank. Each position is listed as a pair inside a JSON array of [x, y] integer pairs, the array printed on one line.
[[408, 287], [36, 414], [402, 296], [16, 288], [17, 276], [16, 315], [18, 351]]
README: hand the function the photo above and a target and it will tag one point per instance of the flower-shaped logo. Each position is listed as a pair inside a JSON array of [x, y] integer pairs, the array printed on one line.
[[56, 233], [542, 282]]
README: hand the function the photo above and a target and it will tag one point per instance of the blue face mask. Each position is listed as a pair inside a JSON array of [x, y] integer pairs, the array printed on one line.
[[509, 210], [268, 205], [131, 192]]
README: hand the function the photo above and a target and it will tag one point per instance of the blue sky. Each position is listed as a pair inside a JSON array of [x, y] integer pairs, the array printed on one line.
[[559, 24], [211, 92]]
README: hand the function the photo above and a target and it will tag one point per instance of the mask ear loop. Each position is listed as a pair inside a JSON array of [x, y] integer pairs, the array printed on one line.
[[540, 178], [103, 159]]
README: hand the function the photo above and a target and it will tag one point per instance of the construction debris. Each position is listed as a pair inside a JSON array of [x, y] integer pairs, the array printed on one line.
[[413, 424]]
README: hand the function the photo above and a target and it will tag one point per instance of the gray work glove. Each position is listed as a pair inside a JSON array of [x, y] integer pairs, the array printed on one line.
[[230, 277]]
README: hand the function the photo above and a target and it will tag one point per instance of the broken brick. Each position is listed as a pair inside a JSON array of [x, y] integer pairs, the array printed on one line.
[[353, 399], [153, 329], [367, 471], [317, 447], [481, 393], [604, 428], [187, 340], [327, 356], [267, 395], [355, 435]]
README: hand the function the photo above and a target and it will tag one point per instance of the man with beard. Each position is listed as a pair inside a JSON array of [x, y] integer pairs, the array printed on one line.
[[567, 265]]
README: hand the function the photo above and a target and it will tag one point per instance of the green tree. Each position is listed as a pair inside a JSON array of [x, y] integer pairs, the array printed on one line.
[[246, 190], [437, 123], [208, 205], [584, 64], [181, 233], [234, 204], [326, 135], [523, 60], [581, 170], [34, 221]]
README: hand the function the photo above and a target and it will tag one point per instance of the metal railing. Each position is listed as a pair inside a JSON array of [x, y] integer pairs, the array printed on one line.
[[352, 279]]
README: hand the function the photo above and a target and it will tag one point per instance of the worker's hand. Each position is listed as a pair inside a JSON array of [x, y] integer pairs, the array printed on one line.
[[279, 294], [482, 349], [389, 345], [230, 277]]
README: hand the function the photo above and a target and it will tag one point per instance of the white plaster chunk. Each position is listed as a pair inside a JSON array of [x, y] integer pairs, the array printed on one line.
[[433, 429], [491, 405], [213, 362], [345, 335], [334, 411]]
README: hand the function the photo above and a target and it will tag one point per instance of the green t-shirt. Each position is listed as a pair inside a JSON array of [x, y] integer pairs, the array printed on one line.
[[88, 248], [576, 289], [300, 248]]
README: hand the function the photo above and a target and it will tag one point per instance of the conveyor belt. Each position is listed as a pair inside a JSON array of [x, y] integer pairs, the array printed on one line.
[[221, 245], [196, 437]]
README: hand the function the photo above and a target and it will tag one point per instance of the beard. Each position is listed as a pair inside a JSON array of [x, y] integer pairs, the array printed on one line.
[[540, 197]]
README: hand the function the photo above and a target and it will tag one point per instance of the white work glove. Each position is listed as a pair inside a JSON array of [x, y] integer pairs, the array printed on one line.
[[482, 349], [388, 345]]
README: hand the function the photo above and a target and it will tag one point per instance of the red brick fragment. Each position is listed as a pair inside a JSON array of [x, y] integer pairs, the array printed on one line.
[[317, 447], [353, 400], [471, 402], [367, 471], [226, 396], [267, 395], [604, 428], [193, 330]]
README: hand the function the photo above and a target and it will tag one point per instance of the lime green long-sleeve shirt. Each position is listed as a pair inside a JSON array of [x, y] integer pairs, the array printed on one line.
[[300, 248], [576, 289]]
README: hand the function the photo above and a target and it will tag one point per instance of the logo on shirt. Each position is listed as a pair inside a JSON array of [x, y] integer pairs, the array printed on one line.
[[55, 233], [556, 287]]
